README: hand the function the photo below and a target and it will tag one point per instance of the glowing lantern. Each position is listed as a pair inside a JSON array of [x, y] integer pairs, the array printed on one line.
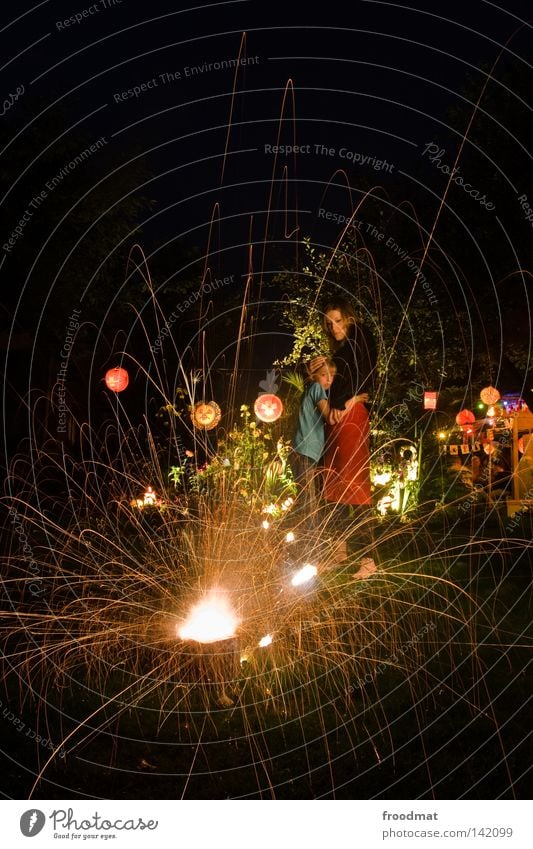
[[117, 379], [430, 400], [465, 417], [268, 408], [206, 416], [489, 395]]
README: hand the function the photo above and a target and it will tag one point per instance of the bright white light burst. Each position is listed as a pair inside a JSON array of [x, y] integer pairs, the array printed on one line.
[[265, 641], [304, 574], [209, 621]]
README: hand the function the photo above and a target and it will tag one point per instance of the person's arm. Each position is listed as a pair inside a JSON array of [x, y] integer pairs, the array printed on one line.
[[361, 398], [335, 416], [320, 400], [323, 408]]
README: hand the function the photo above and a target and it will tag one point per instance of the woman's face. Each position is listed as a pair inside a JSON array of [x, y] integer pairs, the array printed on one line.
[[337, 326]]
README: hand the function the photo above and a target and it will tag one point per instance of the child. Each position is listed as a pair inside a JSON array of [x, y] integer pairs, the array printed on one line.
[[308, 442]]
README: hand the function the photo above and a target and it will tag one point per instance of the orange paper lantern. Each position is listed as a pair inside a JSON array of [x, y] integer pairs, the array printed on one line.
[[206, 416], [489, 395], [268, 408], [117, 379]]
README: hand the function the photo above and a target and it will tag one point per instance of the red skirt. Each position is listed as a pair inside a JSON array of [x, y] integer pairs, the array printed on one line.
[[347, 459]]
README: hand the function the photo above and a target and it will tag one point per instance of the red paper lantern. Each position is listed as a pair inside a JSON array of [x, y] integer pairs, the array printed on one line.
[[117, 379], [430, 400], [268, 408], [465, 417]]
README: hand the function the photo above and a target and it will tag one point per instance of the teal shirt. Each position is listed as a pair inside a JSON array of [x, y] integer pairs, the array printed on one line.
[[309, 438]]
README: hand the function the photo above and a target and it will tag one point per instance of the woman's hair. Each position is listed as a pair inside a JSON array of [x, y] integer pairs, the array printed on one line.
[[346, 309]]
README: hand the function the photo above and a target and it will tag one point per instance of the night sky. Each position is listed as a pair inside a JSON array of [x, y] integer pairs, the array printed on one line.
[[357, 99]]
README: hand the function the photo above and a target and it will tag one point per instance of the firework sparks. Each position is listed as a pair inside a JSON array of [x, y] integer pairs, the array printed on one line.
[[210, 621]]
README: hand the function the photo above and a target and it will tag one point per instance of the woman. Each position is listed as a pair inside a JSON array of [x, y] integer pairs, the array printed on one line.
[[347, 454]]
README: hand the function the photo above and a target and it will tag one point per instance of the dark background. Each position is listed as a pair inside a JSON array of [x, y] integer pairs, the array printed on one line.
[[184, 174]]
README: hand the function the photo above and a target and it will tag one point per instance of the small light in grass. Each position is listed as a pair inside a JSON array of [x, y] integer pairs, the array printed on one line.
[[149, 497], [384, 505], [266, 524], [265, 641], [442, 435], [290, 537]]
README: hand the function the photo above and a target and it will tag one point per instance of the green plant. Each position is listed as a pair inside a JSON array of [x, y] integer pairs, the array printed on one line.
[[176, 474], [251, 464]]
